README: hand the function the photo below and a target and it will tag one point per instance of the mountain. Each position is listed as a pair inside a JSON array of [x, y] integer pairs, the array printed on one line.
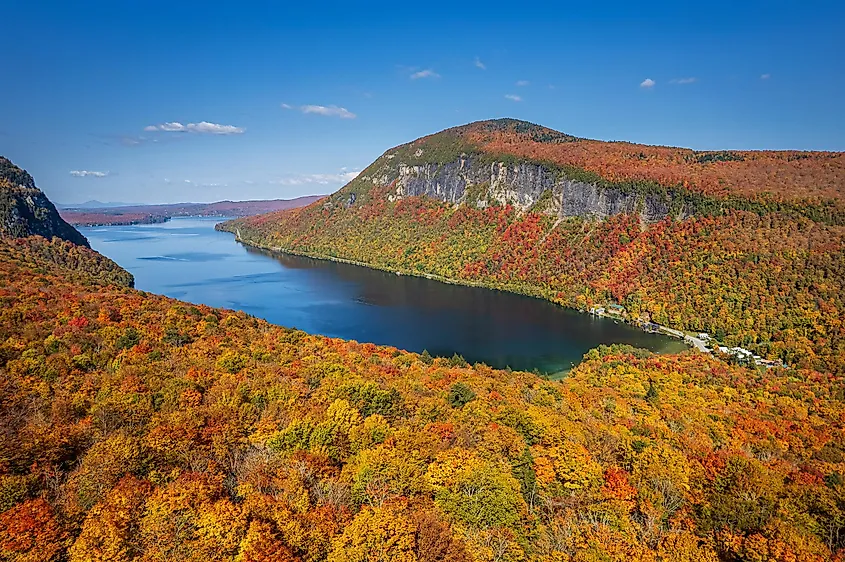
[[510, 162], [145, 214], [26, 211], [748, 246]]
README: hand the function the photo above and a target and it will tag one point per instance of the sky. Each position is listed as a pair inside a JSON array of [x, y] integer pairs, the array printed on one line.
[[160, 102]]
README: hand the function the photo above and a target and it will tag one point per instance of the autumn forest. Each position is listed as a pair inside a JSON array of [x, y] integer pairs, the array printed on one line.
[[136, 427]]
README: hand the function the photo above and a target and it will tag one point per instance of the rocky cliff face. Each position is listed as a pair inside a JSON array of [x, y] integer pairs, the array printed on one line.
[[525, 185], [26, 211]]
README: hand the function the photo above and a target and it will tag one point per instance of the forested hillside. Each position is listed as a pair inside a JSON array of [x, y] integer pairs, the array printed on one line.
[[136, 427], [748, 246]]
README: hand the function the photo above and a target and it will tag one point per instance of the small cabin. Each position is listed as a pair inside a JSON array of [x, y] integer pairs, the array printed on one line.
[[617, 309]]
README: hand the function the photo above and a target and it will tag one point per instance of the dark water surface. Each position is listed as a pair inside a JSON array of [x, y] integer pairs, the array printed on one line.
[[187, 259]]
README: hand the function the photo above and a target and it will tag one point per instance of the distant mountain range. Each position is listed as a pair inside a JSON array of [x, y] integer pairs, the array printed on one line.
[[94, 213], [93, 204]]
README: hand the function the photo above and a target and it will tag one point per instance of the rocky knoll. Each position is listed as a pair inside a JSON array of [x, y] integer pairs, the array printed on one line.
[[26, 211]]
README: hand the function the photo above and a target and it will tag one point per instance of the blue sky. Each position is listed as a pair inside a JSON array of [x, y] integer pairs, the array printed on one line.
[[181, 101]]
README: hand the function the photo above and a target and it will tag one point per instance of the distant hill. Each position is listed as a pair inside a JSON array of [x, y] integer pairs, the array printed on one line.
[[141, 214], [746, 245], [92, 204], [26, 211]]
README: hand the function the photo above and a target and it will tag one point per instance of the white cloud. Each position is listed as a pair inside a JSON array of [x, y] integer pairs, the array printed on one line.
[[765, 76], [203, 127], [522, 83], [202, 184], [88, 173], [287, 106], [647, 83], [690, 80], [214, 129], [513, 97], [479, 64], [328, 111], [172, 127], [319, 179], [427, 73]]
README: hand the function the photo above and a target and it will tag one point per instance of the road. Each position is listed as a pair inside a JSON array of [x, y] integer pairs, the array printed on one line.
[[698, 343]]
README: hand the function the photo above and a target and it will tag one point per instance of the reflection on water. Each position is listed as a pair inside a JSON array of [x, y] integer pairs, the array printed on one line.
[[187, 259]]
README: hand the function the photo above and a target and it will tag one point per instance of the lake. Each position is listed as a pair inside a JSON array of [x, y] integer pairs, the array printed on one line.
[[187, 259]]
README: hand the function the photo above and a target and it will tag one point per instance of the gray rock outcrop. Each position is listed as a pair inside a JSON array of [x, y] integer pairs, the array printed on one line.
[[525, 185]]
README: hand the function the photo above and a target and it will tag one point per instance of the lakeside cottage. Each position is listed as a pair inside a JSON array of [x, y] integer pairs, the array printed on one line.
[[616, 309]]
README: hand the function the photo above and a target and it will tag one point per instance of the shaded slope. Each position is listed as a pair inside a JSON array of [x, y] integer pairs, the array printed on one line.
[[26, 211]]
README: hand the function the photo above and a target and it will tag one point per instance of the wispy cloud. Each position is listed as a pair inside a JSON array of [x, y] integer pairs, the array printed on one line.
[[287, 106], [317, 179], [479, 64], [328, 111], [522, 83], [647, 83], [88, 174], [203, 127], [427, 73], [690, 80], [765, 76], [513, 97], [202, 184]]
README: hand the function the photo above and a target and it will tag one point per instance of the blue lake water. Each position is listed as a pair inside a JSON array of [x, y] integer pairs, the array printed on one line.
[[187, 259]]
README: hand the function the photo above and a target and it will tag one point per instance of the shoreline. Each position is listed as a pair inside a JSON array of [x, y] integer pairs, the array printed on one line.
[[685, 338]]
